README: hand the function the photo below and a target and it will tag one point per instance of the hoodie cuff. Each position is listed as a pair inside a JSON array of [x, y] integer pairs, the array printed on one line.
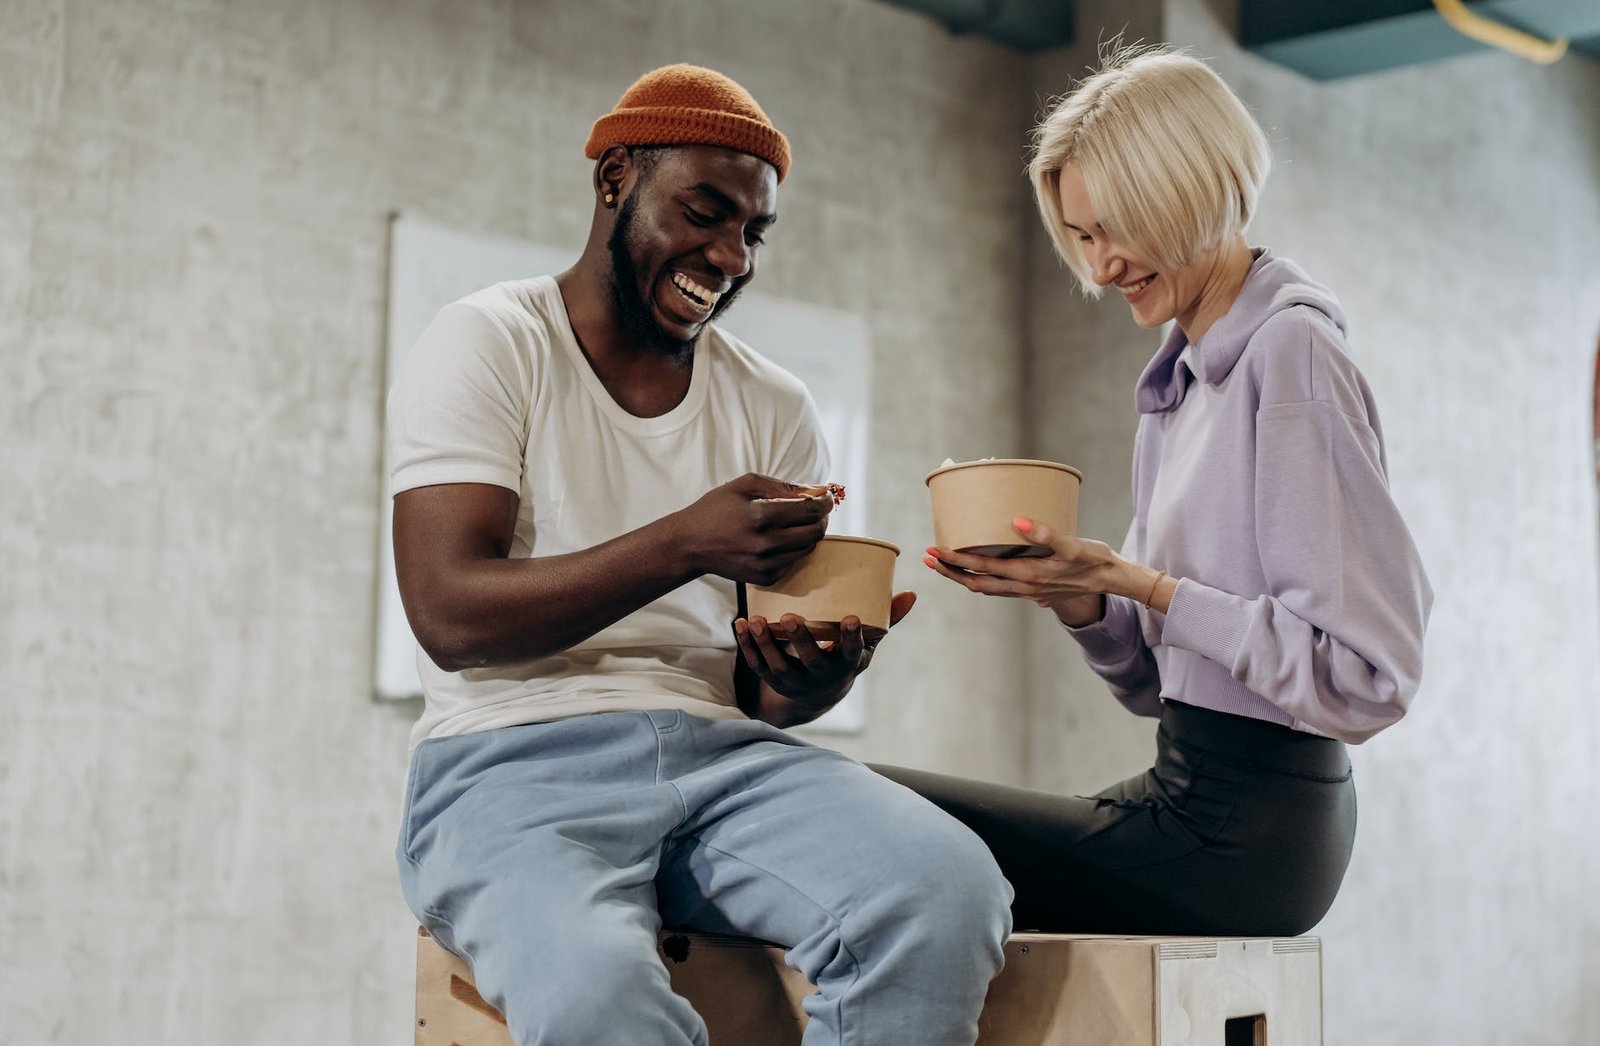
[[1206, 621], [1107, 639]]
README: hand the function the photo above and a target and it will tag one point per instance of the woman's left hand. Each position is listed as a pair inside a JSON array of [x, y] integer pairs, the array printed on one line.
[[1075, 568]]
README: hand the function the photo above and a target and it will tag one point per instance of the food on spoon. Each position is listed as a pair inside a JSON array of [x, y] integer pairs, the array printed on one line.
[[832, 490]]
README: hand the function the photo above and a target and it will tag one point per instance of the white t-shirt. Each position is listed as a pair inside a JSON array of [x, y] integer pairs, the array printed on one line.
[[497, 391]]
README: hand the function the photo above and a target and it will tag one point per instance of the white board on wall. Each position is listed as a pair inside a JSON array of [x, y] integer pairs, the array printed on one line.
[[828, 350], [431, 265]]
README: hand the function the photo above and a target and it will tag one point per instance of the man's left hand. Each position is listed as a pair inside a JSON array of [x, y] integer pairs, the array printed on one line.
[[801, 678]]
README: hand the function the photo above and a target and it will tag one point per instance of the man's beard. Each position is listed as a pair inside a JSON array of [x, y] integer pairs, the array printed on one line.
[[632, 310]]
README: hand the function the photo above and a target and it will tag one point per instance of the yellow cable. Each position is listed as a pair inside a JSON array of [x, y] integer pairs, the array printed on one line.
[[1499, 35]]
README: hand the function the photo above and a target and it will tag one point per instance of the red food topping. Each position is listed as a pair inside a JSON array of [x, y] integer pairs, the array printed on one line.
[[832, 490]]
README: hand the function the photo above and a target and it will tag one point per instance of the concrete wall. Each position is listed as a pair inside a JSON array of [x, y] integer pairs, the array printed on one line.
[[1083, 358], [197, 796], [1454, 208]]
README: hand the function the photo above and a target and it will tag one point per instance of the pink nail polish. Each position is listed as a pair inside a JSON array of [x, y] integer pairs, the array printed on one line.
[[1024, 525]]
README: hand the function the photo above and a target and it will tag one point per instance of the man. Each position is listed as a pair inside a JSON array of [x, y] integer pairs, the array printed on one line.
[[585, 467]]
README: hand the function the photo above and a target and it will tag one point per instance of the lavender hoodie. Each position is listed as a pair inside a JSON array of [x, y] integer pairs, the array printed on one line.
[[1259, 479]]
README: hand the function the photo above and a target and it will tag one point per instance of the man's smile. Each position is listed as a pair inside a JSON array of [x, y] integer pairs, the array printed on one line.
[[690, 301]]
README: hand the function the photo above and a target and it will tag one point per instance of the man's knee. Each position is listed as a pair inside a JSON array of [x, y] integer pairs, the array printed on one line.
[[972, 895], [946, 890]]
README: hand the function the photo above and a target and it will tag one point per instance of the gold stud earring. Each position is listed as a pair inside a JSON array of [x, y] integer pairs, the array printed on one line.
[[609, 198]]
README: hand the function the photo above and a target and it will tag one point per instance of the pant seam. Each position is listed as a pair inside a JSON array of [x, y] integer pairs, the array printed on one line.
[[833, 920], [1198, 843], [661, 777]]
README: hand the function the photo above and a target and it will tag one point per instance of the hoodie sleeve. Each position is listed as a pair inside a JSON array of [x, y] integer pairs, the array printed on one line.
[[1115, 648], [1336, 641]]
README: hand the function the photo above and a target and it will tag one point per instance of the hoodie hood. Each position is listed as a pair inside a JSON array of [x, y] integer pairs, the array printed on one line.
[[1272, 285]]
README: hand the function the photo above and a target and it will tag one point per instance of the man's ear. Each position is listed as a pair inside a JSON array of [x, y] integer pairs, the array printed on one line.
[[610, 171]]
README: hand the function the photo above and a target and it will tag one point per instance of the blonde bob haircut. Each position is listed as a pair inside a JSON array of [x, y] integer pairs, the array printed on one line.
[[1171, 158]]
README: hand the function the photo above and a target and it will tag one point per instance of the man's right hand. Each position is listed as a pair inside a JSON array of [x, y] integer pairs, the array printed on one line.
[[753, 529], [472, 606]]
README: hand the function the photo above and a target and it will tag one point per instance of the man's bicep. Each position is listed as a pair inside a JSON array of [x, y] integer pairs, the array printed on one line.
[[439, 529]]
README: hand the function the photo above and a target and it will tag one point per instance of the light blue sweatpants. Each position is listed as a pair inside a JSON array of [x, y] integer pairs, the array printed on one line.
[[542, 854]]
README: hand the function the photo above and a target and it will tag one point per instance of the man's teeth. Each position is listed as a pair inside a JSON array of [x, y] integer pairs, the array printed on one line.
[[694, 292], [1135, 288]]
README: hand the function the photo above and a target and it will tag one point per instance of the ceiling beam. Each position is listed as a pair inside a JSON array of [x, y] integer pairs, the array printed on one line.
[[1338, 38]]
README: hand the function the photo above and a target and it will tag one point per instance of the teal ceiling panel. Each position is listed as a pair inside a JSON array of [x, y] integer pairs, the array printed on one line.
[[1340, 38]]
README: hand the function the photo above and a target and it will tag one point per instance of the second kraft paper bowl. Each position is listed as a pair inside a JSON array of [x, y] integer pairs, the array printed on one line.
[[974, 503]]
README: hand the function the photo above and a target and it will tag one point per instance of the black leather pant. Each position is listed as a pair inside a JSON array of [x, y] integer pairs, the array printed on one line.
[[1241, 828]]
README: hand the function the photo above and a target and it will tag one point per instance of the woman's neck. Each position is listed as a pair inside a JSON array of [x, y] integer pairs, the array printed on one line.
[[1225, 271]]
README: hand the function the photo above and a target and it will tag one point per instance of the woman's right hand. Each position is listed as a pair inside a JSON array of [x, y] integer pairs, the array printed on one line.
[[1071, 581], [1019, 579]]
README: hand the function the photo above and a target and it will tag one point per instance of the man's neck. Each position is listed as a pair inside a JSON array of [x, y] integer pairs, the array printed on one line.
[[646, 384]]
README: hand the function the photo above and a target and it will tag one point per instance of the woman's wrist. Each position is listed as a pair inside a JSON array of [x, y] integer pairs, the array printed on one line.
[[1129, 579], [1146, 586], [1161, 593]]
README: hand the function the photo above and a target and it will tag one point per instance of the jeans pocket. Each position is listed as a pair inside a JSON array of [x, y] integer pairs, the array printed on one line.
[[667, 720], [408, 804]]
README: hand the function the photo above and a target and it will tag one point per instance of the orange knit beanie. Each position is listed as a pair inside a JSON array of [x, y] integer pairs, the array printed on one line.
[[689, 105]]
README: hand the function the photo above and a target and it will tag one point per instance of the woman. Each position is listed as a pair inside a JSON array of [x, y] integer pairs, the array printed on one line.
[[1268, 603]]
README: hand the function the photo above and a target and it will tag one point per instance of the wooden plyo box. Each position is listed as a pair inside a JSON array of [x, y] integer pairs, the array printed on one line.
[[740, 987], [1055, 990], [1060, 990]]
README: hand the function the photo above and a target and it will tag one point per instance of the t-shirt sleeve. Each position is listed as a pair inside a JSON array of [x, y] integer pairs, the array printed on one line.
[[804, 457], [458, 411]]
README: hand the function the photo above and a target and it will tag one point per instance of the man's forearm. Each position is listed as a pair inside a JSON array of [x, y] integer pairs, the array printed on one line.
[[497, 611]]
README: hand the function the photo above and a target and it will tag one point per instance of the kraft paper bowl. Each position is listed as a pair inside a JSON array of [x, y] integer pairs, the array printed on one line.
[[974, 503], [842, 576]]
